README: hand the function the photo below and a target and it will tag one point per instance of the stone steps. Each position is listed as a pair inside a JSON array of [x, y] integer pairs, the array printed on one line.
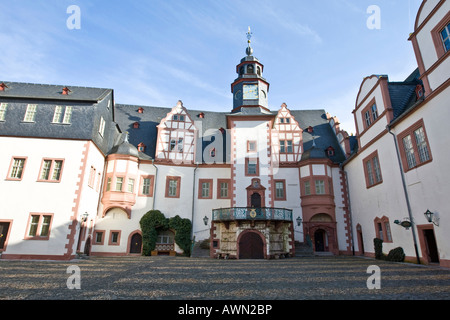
[[198, 251], [302, 249]]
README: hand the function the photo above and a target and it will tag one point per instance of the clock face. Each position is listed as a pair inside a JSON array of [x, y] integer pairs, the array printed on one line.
[[250, 91]]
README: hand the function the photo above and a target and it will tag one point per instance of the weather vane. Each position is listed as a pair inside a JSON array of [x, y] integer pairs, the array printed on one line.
[[249, 49]]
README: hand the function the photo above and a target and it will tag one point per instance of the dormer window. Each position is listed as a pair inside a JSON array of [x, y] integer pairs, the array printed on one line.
[[212, 152], [3, 86], [141, 110], [330, 151], [136, 125], [419, 92], [178, 117], [201, 115], [141, 147]]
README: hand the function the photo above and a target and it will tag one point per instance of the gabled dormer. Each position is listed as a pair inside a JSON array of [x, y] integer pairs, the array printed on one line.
[[287, 145], [176, 137], [431, 43], [373, 109]]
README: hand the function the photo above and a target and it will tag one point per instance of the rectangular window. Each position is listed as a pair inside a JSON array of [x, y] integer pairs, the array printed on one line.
[[372, 170], [108, 184], [374, 112], [223, 188], [173, 185], [289, 146], [251, 146], [445, 37], [16, 170], [146, 186], [119, 183], [173, 188], [280, 190], [320, 186], [388, 232], [51, 170], [130, 187], [39, 226], [282, 146], [57, 115], [205, 188], [114, 238], [3, 107], [180, 145], [414, 147], [30, 114], [252, 167], [307, 188], [98, 237], [173, 143], [380, 231], [67, 115], [101, 127]]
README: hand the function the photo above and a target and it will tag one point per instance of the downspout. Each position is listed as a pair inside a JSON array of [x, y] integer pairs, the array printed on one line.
[[349, 208], [193, 208], [154, 184], [405, 190]]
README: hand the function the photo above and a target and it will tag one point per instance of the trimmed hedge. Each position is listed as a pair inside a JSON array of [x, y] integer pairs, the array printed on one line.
[[395, 255]]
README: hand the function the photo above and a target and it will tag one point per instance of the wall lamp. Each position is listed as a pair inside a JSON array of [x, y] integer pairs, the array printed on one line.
[[299, 221], [429, 216], [205, 220]]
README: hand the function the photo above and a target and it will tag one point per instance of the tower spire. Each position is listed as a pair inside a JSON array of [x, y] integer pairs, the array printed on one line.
[[249, 49]]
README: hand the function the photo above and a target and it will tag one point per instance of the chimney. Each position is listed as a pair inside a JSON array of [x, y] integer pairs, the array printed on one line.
[[65, 91]]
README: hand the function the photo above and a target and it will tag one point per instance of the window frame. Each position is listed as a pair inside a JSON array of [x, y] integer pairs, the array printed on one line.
[[11, 167], [151, 179], [247, 163], [201, 189], [30, 113], [370, 114], [410, 131], [51, 170], [39, 226], [382, 225], [276, 196], [3, 110], [110, 239], [373, 177], [95, 236], [437, 36], [178, 187], [219, 188]]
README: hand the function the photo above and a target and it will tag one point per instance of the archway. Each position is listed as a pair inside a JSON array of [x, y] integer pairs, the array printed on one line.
[[136, 243], [251, 245]]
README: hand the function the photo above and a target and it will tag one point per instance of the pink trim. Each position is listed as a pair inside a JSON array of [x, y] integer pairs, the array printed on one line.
[[5, 243], [39, 226], [168, 179], [8, 177], [141, 185], [200, 188], [219, 181], [94, 238], [110, 243], [275, 190], [53, 160]]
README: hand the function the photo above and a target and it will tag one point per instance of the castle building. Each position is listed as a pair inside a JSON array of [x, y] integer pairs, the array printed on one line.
[[80, 171]]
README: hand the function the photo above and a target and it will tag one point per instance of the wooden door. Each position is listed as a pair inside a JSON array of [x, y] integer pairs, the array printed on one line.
[[136, 243], [251, 246]]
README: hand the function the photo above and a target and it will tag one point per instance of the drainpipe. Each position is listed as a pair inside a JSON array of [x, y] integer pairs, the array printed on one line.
[[349, 208], [193, 208], [405, 190], [154, 184]]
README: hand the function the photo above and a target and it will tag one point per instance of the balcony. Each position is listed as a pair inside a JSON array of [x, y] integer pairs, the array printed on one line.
[[252, 214]]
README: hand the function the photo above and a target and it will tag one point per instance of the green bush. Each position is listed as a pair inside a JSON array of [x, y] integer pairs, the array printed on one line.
[[378, 244], [396, 255], [153, 220]]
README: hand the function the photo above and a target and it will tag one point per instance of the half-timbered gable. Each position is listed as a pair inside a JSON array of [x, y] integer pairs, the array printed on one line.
[[287, 144], [176, 137]]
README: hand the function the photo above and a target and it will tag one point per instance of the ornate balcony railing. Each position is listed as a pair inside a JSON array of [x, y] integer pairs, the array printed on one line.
[[231, 214]]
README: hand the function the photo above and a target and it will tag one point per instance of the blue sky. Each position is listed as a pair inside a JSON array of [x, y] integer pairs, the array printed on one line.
[[156, 52]]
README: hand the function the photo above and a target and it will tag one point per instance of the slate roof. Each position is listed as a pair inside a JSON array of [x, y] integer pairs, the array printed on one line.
[[127, 115], [403, 94], [52, 92]]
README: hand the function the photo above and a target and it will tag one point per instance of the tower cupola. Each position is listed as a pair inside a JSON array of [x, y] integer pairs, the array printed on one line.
[[249, 89]]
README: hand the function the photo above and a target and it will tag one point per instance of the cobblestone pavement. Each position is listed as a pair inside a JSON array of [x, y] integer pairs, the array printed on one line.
[[180, 278]]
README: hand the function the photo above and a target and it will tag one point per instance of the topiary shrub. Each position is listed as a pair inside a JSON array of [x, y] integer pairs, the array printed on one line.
[[149, 223], [182, 229], [378, 244], [396, 255], [154, 220]]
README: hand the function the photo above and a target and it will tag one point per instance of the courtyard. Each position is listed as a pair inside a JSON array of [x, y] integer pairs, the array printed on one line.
[[180, 278]]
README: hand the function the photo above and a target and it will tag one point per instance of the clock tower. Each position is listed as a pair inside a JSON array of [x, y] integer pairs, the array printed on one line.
[[250, 89]]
